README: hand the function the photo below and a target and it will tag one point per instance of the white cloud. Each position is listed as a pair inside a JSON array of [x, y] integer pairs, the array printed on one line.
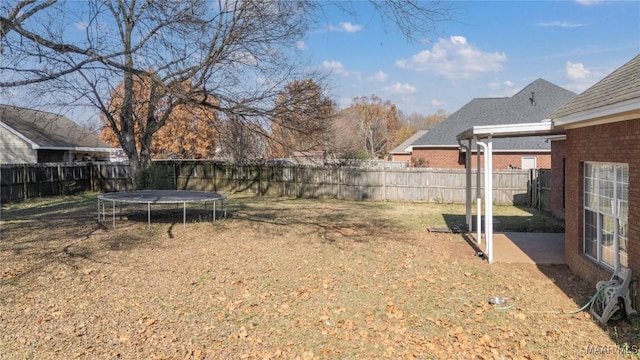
[[454, 58], [346, 27], [337, 68], [380, 76], [81, 25], [577, 71], [398, 88], [437, 103], [502, 89], [589, 2], [562, 24], [301, 45], [580, 77]]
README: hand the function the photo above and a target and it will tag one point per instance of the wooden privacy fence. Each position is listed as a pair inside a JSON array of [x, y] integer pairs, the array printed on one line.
[[540, 189], [518, 187], [25, 181]]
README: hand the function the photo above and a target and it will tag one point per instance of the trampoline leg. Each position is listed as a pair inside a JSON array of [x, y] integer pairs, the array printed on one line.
[[184, 214], [113, 213], [149, 216], [214, 211]]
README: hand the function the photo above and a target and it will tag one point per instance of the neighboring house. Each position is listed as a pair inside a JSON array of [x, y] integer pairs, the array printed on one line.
[[439, 148], [31, 136], [597, 169], [403, 151]]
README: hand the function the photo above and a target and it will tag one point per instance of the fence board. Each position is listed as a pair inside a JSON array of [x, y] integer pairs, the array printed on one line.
[[25, 181], [519, 187]]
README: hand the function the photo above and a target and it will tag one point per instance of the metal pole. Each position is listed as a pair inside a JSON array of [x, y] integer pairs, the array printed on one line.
[[148, 215], [184, 214]]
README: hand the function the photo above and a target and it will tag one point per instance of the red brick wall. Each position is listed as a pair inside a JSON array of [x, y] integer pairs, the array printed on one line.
[[400, 157], [451, 159], [558, 155], [617, 142]]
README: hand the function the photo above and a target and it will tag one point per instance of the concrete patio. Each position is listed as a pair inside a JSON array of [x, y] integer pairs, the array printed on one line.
[[528, 248]]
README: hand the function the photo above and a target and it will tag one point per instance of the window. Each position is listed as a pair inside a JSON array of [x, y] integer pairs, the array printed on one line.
[[529, 162], [606, 205]]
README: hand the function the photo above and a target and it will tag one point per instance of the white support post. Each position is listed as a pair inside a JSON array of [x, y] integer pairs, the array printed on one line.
[[478, 193], [468, 187], [488, 201], [488, 198]]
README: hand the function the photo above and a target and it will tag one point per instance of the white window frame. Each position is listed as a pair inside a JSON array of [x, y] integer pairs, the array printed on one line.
[[525, 158], [606, 197]]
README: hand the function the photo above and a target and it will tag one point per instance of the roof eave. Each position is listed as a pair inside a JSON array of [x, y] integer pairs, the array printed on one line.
[[600, 112], [544, 127], [80, 148], [20, 135]]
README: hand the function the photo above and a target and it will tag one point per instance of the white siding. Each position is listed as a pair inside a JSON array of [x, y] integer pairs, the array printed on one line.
[[14, 150]]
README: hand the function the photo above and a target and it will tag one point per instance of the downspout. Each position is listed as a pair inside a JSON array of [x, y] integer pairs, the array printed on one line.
[[488, 197], [478, 193]]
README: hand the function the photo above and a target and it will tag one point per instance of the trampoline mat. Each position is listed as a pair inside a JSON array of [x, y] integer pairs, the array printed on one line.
[[161, 196]]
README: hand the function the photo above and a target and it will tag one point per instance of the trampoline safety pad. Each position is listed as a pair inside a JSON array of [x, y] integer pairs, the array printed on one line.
[[150, 197]]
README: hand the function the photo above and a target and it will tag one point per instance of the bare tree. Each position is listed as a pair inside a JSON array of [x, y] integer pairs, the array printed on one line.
[[18, 12], [376, 122], [235, 55], [240, 143], [302, 121]]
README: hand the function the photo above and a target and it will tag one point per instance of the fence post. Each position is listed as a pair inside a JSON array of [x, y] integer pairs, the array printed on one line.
[[339, 180], [384, 183], [24, 182], [60, 179]]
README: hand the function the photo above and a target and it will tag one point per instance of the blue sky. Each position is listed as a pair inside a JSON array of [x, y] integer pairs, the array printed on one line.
[[487, 49]]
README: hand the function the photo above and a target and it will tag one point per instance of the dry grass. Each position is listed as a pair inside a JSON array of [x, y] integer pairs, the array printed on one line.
[[279, 278]]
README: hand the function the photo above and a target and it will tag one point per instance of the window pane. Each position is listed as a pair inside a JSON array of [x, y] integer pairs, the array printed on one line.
[[608, 233], [590, 234], [588, 170], [590, 193], [605, 192], [622, 238]]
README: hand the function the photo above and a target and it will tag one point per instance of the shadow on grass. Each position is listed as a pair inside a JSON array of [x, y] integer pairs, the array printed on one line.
[[577, 289], [535, 222]]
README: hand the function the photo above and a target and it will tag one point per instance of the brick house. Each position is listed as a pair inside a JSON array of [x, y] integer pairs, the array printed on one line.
[[596, 167], [439, 148]]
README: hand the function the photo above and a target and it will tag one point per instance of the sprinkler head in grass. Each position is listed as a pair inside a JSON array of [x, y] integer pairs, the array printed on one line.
[[497, 300]]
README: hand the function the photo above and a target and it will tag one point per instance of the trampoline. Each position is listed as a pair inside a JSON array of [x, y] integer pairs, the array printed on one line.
[[159, 197]]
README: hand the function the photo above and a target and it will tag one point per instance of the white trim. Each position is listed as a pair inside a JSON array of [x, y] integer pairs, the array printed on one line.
[[599, 112], [413, 147], [34, 146], [81, 148], [544, 127], [557, 138], [517, 151]]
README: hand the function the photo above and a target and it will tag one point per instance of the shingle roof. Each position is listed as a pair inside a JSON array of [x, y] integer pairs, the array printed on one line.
[[621, 85], [531, 104], [403, 148], [48, 130]]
